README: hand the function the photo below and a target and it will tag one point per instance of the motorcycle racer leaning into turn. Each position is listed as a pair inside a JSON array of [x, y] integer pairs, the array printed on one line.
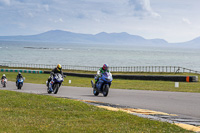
[[100, 71], [3, 77], [58, 69], [18, 77]]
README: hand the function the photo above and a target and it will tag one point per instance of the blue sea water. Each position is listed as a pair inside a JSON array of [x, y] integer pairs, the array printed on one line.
[[97, 55]]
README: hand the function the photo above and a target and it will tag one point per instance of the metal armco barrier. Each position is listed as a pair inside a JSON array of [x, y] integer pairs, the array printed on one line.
[[131, 77], [158, 77], [21, 70], [168, 69], [140, 77]]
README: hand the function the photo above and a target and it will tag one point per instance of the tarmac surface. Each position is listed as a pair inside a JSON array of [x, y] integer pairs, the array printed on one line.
[[181, 107]]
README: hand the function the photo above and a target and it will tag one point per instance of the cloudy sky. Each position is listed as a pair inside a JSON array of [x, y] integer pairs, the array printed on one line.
[[172, 20]]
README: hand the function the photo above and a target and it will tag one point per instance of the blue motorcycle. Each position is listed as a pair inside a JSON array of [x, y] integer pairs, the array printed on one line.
[[103, 84], [55, 83], [20, 82]]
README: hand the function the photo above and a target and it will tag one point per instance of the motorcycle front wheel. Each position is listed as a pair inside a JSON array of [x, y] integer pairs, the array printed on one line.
[[19, 86], [56, 87], [4, 84], [105, 90]]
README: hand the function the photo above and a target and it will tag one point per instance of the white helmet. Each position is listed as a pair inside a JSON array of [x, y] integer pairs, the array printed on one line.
[[4, 75]]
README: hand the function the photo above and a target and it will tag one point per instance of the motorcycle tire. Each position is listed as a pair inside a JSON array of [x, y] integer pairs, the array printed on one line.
[[48, 91], [56, 88], [105, 90], [96, 93], [19, 87], [4, 84]]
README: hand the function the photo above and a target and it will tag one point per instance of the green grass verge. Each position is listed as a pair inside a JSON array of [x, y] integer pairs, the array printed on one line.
[[21, 112], [117, 83]]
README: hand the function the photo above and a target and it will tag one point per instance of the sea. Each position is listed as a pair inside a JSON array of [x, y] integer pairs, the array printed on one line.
[[98, 54]]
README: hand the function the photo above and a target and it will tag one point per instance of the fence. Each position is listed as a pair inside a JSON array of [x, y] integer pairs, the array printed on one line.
[[170, 69]]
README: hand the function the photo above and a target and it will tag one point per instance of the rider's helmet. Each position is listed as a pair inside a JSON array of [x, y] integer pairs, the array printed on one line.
[[19, 73], [4, 75], [59, 67], [105, 67]]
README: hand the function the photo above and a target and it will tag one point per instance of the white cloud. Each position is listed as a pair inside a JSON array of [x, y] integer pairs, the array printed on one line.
[[46, 7], [30, 14], [187, 21], [60, 20], [6, 2], [143, 8], [88, 16], [20, 25]]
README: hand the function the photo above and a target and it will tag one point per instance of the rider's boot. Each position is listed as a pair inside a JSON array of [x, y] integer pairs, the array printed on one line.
[[95, 83], [50, 86], [47, 84], [48, 81]]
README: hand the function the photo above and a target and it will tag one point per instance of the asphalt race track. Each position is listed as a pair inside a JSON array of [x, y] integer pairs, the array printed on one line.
[[185, 105]]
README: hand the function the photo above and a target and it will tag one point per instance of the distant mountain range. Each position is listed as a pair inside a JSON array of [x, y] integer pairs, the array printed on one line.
[[60, 36]]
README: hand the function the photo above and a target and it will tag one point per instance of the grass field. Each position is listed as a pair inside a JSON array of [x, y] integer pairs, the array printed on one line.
[[117, 83], [36, 113], [22, 113]]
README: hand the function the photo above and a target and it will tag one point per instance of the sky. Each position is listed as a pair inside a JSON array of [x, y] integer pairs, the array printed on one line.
[[172, 20]]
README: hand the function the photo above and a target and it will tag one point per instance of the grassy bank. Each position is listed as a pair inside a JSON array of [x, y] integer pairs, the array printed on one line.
[[117, 83], [22, 112]]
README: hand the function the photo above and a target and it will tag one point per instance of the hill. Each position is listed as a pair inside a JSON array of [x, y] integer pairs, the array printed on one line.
[[70, 37], [60, 36]]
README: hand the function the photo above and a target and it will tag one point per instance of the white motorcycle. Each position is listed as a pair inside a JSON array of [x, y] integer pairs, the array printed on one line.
[[4, 82]]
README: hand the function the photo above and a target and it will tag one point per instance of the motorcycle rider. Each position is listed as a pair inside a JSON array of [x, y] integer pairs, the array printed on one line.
[[18, 77], [103, 69], [3, 77], [58, 69]]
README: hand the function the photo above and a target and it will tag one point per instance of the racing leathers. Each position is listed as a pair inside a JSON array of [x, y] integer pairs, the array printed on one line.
[[18, 77], [99, 72], [50, 79]]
